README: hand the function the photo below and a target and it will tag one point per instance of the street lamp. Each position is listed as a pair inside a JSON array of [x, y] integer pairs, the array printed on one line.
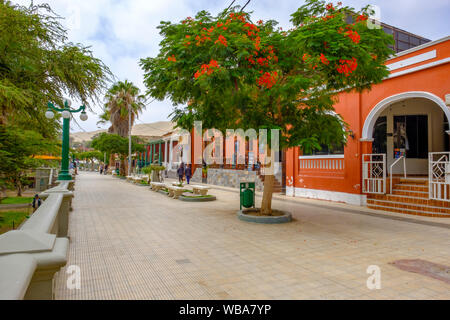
[[65, 112]]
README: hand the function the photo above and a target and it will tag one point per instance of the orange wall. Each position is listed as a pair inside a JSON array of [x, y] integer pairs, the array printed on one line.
[[354, 108]]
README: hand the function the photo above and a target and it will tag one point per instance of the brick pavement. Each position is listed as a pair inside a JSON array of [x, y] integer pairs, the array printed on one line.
[[132, 243]]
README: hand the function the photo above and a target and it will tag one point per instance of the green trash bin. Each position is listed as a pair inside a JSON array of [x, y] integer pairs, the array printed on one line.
[[117, 171], [247, 194]]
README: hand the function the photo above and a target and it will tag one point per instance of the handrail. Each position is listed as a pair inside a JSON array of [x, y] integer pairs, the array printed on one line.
[[390, 170], [31, 255], [45, 217]]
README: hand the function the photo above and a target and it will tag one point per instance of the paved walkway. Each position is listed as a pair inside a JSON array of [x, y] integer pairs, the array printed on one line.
[[132, 243]]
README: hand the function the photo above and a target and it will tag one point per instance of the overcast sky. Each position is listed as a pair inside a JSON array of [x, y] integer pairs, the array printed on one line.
[[121, 32]]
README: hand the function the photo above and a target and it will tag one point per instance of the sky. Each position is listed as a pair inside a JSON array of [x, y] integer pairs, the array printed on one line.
[[121, 32]]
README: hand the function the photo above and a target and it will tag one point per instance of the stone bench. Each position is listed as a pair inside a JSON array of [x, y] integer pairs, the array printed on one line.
[[156, 186], [202, 190], [175, 192], [176, 184], [138, 179]]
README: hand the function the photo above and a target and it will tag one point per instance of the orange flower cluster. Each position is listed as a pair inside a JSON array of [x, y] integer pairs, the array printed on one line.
[[353, 35], [240, 17], [201, 39], [347, 66], [264, 60], [187, 20], [207, 68], [222, 40], [330, 7], [361, 18], [324, 59], [268, 79], [172, 58]]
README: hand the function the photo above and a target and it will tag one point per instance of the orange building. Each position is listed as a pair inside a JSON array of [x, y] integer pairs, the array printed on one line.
[[400, 128], [397, 156]]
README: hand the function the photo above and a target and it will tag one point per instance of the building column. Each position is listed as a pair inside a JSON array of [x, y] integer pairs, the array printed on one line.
[[170, 153], [159, 153], [165, 153]]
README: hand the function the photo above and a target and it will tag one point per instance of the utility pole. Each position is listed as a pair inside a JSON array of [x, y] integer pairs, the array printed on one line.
[[129, 140]]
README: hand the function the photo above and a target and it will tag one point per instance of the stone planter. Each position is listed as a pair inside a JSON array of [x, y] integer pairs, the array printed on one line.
[[283, 218]]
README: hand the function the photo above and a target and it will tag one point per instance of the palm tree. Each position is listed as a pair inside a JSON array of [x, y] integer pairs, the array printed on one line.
[[122, 98]]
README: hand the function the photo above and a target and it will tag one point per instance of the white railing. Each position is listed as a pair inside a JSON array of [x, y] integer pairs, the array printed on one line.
[[390, 170], [439, 175], [31, 255], [374, 173], [326, 162]]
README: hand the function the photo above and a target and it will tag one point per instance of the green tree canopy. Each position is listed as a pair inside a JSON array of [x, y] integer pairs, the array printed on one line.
[[17, 148], [113, 143], [230, 72], [120, 99], [38, 64]]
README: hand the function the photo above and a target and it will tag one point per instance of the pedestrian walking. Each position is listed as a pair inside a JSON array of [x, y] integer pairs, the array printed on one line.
[[106, 169], [180, 173], [75, 167], [36, 202], [188, 173], [101, 169]]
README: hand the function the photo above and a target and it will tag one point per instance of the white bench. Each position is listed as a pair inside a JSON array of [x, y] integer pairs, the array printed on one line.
[[175, 192], [202, 190], [156, 186], [138, 179], [176, 184]]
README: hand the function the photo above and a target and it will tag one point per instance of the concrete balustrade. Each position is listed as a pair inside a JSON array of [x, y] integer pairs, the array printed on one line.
[[30, 256]]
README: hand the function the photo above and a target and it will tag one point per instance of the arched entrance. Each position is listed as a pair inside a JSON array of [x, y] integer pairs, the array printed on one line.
[[410, 138], [410, 124]]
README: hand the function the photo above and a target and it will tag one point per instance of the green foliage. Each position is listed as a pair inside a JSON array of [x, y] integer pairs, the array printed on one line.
[[113, 143], [120, 99], [230, 73], [17, 148], [38, 65], [90, 155], [16, 200], [8, 218], [153, 167]]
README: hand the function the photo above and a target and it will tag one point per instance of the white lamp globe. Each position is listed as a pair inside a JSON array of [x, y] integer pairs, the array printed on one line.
[[83, 116], [49, 114], [68, 102], [66, 114]]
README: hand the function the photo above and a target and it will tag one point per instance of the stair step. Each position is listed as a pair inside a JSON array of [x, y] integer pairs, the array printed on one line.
[[413, 181], [409, 199], [418, 194], [411, 206], [411, 187], [409, 211]]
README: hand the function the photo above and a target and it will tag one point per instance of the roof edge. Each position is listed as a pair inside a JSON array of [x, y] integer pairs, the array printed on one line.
[[422, 46]]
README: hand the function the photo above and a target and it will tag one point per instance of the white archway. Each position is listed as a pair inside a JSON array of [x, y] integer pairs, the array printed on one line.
[[369, 123]]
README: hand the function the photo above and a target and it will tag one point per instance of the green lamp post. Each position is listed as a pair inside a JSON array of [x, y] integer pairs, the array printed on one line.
[[65, 112]]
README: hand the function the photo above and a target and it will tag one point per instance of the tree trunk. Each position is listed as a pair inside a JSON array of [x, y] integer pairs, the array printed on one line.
[[123, 169], [266, 203], [269, 181], [19, 187], [112, 163]]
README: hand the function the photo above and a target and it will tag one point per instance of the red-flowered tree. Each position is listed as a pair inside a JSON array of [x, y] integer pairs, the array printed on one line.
[[229, 72]]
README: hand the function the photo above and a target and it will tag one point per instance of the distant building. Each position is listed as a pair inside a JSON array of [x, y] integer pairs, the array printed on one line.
[[404, 40]]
